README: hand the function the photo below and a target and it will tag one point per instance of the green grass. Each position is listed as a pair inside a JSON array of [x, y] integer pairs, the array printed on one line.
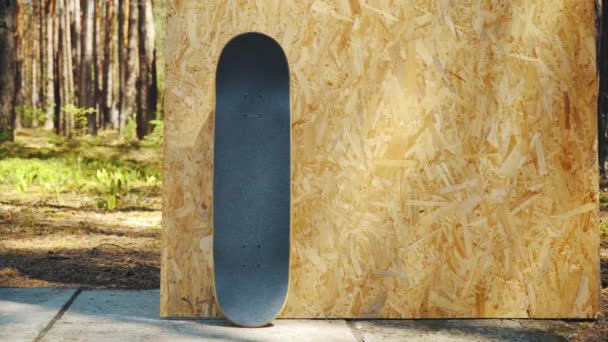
[[115, 175], [604, 230]]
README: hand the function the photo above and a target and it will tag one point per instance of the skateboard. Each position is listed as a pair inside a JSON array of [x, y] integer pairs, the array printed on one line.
[[252, 180]]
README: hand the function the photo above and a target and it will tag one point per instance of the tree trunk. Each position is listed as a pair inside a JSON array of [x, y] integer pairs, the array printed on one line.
[[122, 26], [18, 100], [106, 89], [64, 78], [34, 60], [86, 86], [602, 54], [96, 103], [146, 89], [49, 58], [128, 90], [76, 33], [8, 12], [68, 97], [41, 52], [60, 72], [57, 62], [121, 62]]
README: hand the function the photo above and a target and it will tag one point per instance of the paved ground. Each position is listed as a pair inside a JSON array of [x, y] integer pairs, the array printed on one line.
[[53, 314]]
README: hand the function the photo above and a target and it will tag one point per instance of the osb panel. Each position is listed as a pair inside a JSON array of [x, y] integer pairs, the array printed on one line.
[[444, 155]]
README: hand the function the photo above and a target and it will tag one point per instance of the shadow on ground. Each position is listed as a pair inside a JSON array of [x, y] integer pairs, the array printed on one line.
[[462, 330], [106, 266]]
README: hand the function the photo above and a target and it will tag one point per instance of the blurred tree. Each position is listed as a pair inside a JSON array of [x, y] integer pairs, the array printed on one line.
[[105, 100], [8, 76], [86, 89], [128, 91], [76, 8], [49, 62], [602, 101], [64, 77], [35, 25], [122, 26], [19, 30], [146, 87]]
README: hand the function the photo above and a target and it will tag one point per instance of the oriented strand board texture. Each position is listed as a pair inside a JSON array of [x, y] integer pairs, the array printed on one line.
[[444, 155]]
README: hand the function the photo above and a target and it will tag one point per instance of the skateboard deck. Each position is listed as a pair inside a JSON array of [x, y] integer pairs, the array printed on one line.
[[252, 180]]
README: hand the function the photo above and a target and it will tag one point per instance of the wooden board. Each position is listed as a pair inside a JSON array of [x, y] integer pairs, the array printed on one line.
[[444, 156]]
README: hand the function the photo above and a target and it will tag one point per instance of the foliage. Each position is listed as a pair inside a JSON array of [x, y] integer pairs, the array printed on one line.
[[5, 133], [130, 134], [155, 138], [604, 230], [79, 114], [55, 139], [84, 167], [116, 186], [30, 114]]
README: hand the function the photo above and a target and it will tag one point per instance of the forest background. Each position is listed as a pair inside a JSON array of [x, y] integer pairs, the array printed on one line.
[[84, 66]]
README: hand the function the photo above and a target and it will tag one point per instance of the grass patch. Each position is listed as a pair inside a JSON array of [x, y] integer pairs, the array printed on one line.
[[604, 230], [114, 174]]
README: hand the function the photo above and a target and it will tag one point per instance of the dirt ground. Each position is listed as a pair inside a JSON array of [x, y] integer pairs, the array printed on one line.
[[51, 236], [47, 245]]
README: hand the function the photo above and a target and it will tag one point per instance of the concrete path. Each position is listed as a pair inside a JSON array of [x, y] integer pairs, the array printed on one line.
[[48, 314], [24, 313]]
